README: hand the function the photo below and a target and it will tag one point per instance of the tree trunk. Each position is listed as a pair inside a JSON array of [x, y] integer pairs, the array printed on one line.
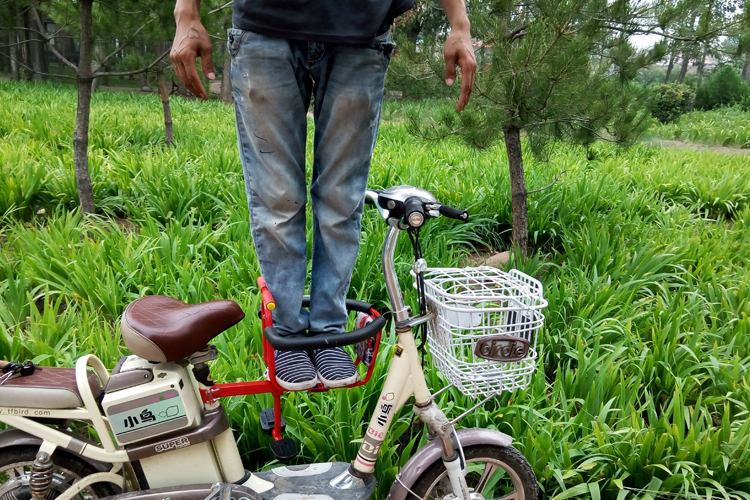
[[685, 64], [36, 50], [6, 41], [81, 132], [746, 67], [670, 65], [23, 49], [168, 131], [15, 74], [518, 190], [701, 66], [226, 78]]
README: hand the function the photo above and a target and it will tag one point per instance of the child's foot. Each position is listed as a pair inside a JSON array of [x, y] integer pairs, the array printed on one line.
[[294, 370], [335, 367]]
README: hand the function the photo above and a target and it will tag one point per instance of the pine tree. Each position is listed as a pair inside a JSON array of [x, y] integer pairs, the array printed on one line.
[[549, 70]]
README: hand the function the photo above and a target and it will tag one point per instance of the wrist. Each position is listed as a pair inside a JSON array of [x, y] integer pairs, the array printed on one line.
[[186, 14], [461, 25]]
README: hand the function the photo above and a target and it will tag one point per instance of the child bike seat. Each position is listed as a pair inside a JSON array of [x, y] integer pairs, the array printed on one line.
[[162, 329], [46, 388]]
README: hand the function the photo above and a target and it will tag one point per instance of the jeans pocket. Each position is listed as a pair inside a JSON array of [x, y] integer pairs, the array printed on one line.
[[386, 49], [384, 46], [234, 40]]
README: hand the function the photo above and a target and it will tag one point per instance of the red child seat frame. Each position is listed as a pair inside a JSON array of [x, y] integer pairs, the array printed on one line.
[[270, 386]]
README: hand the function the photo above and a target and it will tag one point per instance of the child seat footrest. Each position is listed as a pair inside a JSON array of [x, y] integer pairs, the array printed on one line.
[[267, 421], [284, 450]]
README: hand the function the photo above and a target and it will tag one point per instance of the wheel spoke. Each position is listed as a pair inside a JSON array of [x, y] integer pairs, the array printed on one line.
[[489, 469], [17, 471]]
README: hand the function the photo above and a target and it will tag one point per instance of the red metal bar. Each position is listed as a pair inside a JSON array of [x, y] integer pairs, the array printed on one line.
[[268, 302], [276, 433]]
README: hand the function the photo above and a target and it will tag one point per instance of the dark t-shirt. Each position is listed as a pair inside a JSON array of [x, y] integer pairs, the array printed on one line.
[[353, 22]]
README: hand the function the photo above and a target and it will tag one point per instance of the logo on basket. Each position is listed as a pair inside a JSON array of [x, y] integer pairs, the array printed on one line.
[[505, 348]]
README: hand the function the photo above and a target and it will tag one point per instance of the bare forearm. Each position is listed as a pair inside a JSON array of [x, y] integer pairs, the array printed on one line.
[[187, 9], [455, 11]]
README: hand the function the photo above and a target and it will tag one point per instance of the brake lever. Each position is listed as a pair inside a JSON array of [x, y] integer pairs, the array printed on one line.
[[371, 195]]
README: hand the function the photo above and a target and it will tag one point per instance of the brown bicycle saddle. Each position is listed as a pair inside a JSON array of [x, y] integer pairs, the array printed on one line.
[[162, 329]]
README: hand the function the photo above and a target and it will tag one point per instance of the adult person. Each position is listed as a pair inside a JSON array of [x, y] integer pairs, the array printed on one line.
[[285, 54]]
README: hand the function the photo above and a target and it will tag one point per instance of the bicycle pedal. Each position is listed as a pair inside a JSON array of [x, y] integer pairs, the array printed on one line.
[[284, 450], [267, 421]]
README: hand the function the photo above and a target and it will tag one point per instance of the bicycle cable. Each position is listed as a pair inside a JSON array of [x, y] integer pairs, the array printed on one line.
[[419, 279]]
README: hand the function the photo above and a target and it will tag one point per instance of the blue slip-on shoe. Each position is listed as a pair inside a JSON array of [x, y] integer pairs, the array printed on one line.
[[335, 367]]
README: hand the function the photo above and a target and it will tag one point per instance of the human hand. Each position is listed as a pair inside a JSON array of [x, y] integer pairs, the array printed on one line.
[[458, 51], [191, 41]]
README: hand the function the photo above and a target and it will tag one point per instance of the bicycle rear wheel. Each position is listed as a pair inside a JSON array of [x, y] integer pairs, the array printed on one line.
[[15, 475]]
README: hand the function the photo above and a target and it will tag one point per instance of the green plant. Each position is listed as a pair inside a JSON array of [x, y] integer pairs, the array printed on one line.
[[723, 88], [670, 101], [722, 127]]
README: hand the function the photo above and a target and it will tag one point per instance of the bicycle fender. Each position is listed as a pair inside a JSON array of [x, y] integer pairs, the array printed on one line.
[[433, 452], [13, 437]]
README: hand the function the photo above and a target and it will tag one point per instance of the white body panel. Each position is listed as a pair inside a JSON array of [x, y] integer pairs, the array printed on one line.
[[194, 464], [229, 456], [170, 379]]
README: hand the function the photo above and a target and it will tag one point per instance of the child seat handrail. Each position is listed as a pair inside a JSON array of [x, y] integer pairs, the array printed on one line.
[[303, 343]]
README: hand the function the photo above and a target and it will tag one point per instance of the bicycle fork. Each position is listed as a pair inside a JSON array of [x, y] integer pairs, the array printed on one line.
[[405, 378]]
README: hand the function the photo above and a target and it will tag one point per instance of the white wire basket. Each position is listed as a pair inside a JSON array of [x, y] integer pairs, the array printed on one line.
[[483, 337]]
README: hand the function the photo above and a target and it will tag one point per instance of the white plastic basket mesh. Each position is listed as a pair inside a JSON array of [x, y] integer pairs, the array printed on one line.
[[475, 302]]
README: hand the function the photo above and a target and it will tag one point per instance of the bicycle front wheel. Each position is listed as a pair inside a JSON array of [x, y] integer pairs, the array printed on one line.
[[494, 472]]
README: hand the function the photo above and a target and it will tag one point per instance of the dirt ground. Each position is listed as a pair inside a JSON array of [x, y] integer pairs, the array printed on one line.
[[700, 147]]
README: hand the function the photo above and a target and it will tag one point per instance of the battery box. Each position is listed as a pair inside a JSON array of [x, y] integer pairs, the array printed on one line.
[[164, 405]]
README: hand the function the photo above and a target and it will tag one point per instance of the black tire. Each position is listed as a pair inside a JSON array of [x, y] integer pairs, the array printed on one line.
[[507, 463], [16, 462]]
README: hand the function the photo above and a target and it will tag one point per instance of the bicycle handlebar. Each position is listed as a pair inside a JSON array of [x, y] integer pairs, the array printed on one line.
[[453, 213], [400, 202]]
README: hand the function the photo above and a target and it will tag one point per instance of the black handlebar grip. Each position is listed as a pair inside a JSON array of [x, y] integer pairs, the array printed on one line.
[[453, 213]]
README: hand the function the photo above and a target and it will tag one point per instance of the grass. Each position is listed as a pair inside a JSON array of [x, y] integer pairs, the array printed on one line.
[[720, 127], [643, 389]]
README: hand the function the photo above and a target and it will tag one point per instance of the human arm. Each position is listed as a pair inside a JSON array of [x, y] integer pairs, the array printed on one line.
[[458, 50], [191, 41]]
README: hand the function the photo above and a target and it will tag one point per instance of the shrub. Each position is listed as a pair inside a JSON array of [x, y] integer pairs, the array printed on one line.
[[670, 101], [723, 88], [744, 103]]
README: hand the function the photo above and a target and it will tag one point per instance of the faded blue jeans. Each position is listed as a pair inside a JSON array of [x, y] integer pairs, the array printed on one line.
[[274, 80]]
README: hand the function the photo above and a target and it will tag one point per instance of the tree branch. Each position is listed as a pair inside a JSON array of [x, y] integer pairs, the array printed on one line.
[[548, 185], [222, 7], [126, 44], [135, 71], [416, 131], [46, 38], [37, 72], [38, 20]]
